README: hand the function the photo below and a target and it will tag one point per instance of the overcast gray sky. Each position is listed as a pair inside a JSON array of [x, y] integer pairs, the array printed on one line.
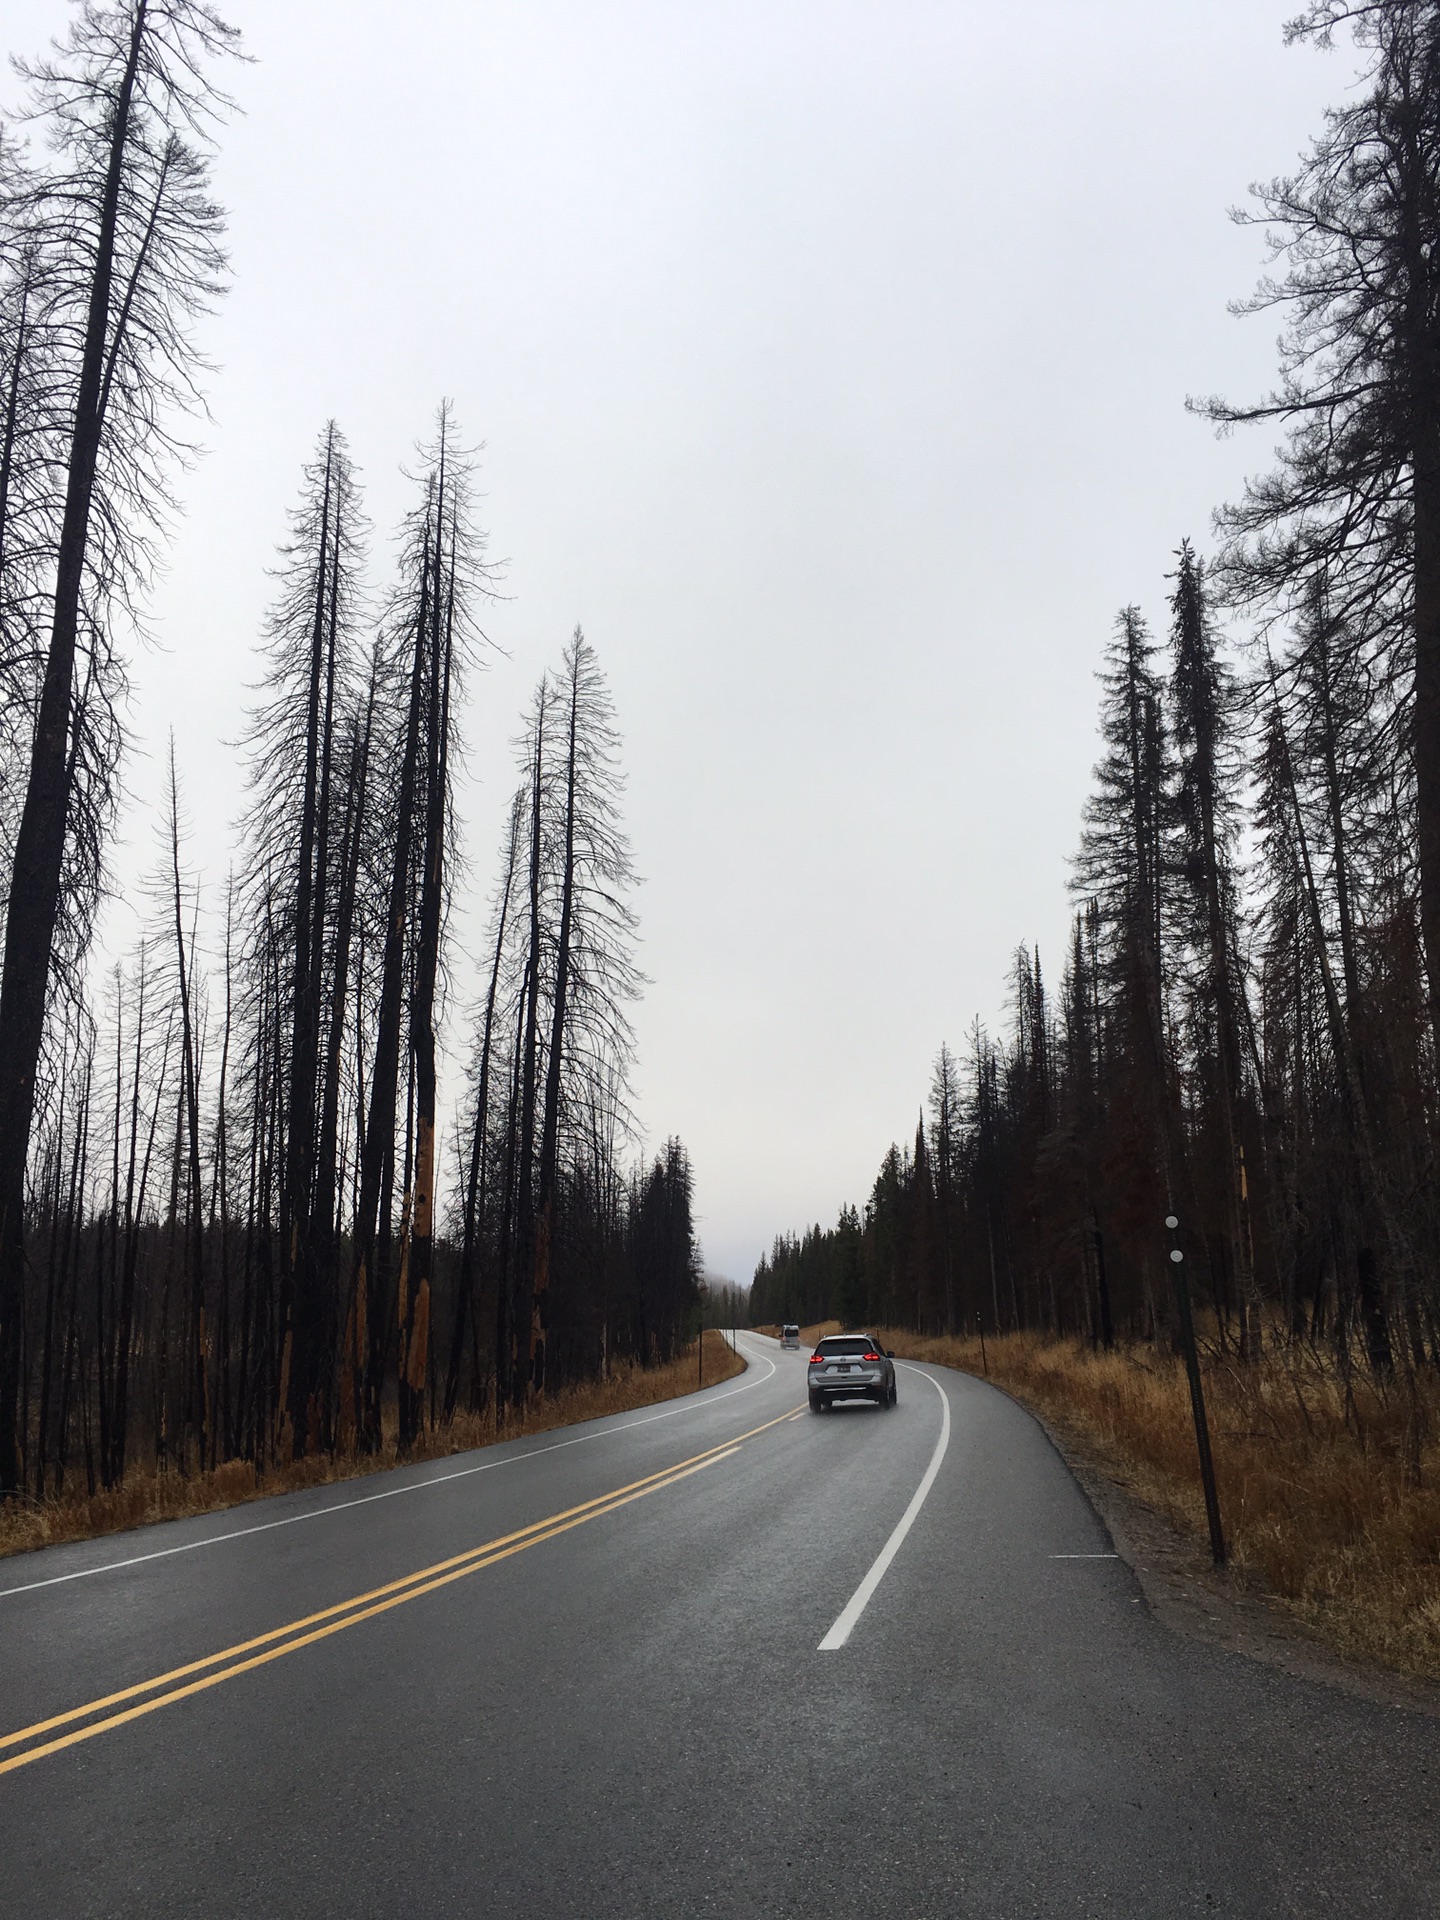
[[830, 360]]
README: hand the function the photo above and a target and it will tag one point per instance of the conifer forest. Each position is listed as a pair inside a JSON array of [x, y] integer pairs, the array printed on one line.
[[1241, 1034], [270, 1186], [586, 584]]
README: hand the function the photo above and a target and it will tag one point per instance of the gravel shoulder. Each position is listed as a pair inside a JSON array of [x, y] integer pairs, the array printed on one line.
[[1187, 1594]]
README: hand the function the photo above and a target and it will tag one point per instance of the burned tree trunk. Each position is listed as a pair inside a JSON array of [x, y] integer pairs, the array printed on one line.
[[415, 1328], [119, 77]]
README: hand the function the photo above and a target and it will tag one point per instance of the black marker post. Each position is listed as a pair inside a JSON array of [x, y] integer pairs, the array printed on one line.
[[1197, 1396]]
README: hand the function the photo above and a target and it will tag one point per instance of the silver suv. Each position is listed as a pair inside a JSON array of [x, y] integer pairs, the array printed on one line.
[[850, 1366]]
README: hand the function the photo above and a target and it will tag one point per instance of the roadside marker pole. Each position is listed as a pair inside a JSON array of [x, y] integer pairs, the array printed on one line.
[[1197, 1397]]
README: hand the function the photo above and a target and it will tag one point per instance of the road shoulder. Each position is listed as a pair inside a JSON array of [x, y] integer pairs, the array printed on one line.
[[1187, 1594], [148, 1499]]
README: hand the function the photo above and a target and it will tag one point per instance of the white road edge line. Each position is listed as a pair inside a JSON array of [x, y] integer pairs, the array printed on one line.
[[1084, 1556], [389, 1493], [860, 1599]]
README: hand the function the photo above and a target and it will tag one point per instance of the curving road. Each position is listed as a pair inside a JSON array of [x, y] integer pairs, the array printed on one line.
[[716, 1658]]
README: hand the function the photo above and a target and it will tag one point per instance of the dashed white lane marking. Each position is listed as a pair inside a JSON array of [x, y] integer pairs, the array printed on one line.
[[388, 1493], [860, 1599], [1084, 1556]]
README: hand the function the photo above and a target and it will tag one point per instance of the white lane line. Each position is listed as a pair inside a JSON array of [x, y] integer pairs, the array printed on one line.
[[389, 1493], [860, 1599], [1084, 1556]]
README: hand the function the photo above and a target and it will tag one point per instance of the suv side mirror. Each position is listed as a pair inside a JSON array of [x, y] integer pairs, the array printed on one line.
[[889, 1353]]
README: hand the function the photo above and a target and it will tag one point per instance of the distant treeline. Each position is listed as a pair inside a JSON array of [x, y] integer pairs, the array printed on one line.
[[1244, 1030], [227, 1223], [725, 1303]]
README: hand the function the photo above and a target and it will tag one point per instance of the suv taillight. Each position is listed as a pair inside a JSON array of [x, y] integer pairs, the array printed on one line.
[[869, 1356], [816, 1358]]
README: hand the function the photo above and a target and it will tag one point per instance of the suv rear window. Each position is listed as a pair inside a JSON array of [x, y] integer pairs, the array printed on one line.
[[842, 1344]]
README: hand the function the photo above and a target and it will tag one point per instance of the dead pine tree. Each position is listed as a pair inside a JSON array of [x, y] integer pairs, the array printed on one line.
[[1355, 495], [571, 975], [196, 1399], [372, 1226], [431, 627], [1207, 784], [130, 241], [330, 1199], [476, 1184], [307, 696], [520, 1181], [1122, 868], [572, 680], [415, 1302]]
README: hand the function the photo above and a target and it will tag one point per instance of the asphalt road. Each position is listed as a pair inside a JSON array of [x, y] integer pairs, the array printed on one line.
[[581, 1675]]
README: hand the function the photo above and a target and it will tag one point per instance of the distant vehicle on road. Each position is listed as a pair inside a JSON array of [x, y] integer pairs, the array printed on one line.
[[850, 1366], [790, 1336]]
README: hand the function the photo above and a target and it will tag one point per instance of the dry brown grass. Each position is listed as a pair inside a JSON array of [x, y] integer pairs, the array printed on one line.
[[145, 1495], [1328, 1514]]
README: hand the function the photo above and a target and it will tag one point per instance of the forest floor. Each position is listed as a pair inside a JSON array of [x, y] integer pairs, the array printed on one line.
[[146, 1495], [1329, 1490]]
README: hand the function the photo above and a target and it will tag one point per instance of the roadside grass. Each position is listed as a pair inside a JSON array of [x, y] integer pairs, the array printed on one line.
[[145, 1495], [1338, 1518]]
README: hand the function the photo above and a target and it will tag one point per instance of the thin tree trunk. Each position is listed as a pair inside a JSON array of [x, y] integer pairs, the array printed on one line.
[[377, 1157], [300, 1306], [220, 1207], [525, 1178], [475, 1183], [329, 1185], [40, 843], [194, 1402], [415, 1354], [550, 1133]]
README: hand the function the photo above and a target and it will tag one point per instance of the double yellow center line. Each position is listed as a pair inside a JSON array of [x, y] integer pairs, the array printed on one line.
[[163, 1690]]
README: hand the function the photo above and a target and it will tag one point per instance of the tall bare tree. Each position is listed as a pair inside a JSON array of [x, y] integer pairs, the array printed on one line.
[[131, 244], [1355, 497]]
